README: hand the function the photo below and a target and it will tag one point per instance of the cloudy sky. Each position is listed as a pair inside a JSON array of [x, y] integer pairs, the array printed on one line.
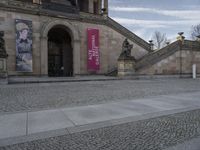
[[144, 17]]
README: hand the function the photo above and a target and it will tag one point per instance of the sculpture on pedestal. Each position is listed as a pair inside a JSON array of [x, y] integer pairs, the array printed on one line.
[[126, 62], [126, 50]]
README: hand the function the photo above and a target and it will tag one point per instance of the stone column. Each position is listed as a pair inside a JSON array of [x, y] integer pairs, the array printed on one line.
[[91, 6], [106, 7], [100, 6], [44, 56], [77, 57]]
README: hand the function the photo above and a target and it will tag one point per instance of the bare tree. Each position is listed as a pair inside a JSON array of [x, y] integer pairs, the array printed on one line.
[[195, 31], [159, 39]]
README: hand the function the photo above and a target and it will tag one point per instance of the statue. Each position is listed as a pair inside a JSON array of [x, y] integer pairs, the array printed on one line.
[[126, 49], [126, 62], [2, 45]]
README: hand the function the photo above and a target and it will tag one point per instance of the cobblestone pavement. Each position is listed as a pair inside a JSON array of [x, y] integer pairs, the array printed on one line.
[[152, 134], [27, 97]]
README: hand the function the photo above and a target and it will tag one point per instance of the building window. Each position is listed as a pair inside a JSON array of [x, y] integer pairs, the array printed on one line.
[[83, 5], [96, 8]]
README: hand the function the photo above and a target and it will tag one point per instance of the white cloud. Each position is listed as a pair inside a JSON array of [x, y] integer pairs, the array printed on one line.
[[140, 32], [155, 23], [182, 14]]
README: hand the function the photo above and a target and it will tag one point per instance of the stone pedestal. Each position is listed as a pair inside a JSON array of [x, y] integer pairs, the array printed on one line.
[[126, 67], [3, 58], [3, 70]]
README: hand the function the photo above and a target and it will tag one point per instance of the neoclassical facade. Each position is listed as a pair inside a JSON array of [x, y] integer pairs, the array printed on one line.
[[77, 37], [59, 38]]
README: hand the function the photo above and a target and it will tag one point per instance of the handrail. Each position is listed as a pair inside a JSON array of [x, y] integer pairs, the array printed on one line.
[[156, 56], [159, 55], [127, 33]]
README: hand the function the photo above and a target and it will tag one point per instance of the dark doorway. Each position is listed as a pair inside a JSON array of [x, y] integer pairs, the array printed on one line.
[[60, 53]]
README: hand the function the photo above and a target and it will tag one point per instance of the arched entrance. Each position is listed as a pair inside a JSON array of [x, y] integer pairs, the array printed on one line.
[[60, 52]]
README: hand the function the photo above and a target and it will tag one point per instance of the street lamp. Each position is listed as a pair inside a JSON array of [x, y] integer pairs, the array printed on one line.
[[180, 38], [103, 10], [151, 44], [168, 42], [198, 38]]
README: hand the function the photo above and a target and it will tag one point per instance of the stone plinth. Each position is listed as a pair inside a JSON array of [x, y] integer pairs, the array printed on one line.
[[3, 70], [126, 67], [3, 57]]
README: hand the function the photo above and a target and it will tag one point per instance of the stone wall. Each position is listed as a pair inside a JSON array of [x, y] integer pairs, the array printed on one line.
[[110, 42], [110, 47], [179, 63]]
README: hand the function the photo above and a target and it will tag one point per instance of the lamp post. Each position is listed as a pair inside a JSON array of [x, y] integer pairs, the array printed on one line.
[[180, 38], [151, 44], [103, 10], [198, 38], [167, 43]]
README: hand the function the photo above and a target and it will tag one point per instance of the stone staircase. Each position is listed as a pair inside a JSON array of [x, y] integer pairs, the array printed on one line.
[[127, 33], [157, 56], [98, 19], [154, 57], [112, 72]]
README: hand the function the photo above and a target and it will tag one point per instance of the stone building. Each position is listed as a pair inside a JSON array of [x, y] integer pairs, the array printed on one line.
[[50, 38], [59, 36]]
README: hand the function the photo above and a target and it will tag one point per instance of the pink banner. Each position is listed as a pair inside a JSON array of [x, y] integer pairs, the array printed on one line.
[[93, 50]]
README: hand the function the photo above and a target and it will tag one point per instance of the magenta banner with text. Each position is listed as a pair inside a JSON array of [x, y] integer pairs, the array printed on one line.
[[93, 50]]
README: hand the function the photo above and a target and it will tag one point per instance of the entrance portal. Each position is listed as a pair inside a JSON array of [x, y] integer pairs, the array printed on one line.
[[60, 53]]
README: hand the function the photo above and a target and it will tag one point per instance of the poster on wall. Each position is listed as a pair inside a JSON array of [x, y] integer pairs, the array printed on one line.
[[93, 50], [23, 45]]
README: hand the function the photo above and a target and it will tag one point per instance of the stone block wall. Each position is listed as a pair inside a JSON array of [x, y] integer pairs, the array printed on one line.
[[110, 42], [179, 63], [110, 47]]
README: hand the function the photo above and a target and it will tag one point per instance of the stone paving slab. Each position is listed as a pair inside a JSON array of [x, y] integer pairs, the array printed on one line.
[[97, 113], [192, 98], [48, 120], [137, 107], [13, 125], [159, 103], [193, 144]]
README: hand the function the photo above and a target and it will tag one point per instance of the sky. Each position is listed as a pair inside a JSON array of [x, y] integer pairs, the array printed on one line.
[[144, 17]]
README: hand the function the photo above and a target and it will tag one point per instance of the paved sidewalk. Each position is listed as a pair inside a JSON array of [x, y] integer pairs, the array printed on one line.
[[20, 80], [22, 127], [193, 144], [35, 97]]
